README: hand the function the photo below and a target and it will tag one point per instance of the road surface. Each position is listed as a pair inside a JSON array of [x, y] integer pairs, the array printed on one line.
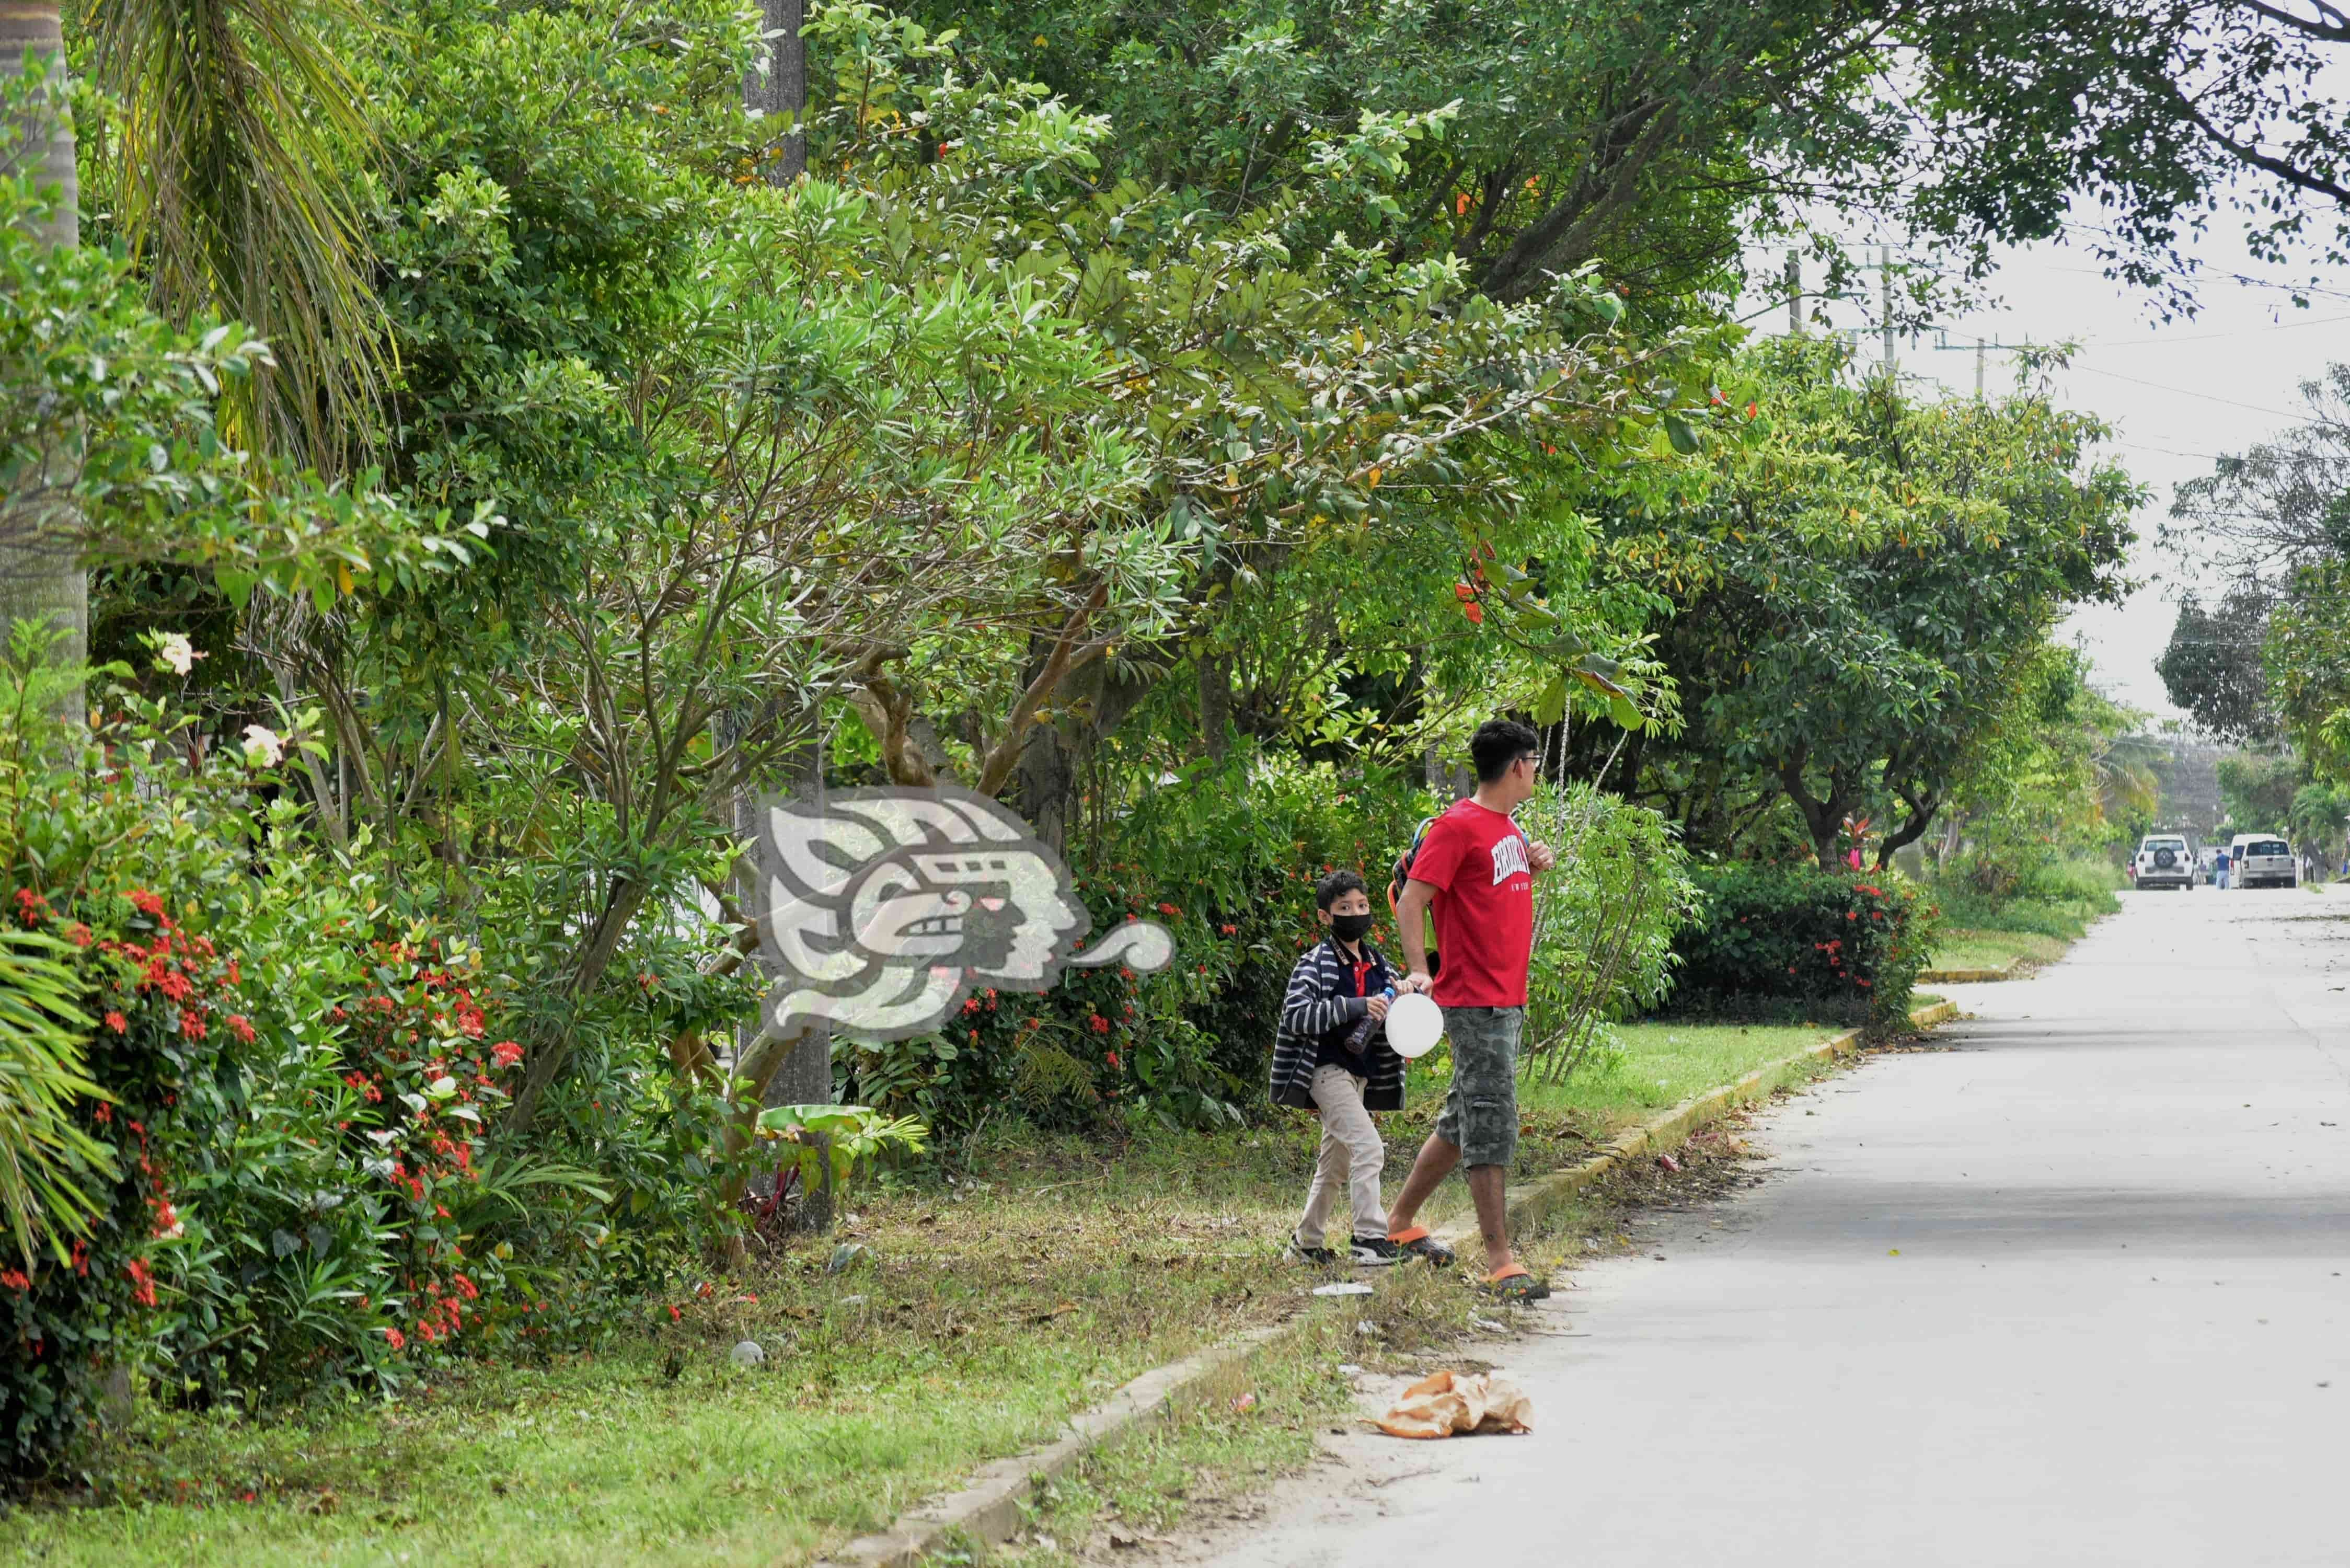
[[2070, 1293]]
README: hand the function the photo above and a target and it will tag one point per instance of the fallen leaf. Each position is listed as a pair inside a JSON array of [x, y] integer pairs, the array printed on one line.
[[1243, 1405], [1668, 1162], [1063, 1310]]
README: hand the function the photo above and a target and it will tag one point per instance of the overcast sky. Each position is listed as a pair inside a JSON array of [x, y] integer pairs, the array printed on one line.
[[2180, 393]]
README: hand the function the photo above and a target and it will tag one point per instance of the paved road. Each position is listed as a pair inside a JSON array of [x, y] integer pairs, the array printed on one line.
[[2117, 1332]]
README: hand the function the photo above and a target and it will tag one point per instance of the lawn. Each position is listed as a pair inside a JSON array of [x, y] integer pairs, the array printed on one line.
[[988, 1307], [1961, 950]]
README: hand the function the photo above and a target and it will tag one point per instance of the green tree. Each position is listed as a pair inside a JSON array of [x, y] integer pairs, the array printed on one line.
[[2259, 789], [2213, 665], [1860, 581]]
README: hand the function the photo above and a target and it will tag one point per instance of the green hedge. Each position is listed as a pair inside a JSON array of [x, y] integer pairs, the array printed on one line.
[[1787, 941]]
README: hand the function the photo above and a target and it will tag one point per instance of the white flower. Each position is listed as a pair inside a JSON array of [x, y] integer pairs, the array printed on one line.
[[264, 746], [177, 654]]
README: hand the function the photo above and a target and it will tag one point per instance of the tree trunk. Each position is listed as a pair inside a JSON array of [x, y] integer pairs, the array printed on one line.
[[781, 91], [1823, 816], [1215, 706], [1921, 816], [41, 578]]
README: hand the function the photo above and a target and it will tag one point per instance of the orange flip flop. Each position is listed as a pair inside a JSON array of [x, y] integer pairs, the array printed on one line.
[[1515, 1284]]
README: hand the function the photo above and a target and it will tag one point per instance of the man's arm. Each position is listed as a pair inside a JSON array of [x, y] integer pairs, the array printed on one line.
[[1411, 932]]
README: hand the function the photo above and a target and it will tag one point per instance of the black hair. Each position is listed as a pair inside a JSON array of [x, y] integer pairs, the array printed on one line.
[[1498, 744], [1336, 886]]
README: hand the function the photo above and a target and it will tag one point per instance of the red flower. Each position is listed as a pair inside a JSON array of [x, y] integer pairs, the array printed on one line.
[[1229, 931], [675, 1316], [1097, 1023], [1169, 909], [77, 934], [119, 1024], [1476, 613], [15, 1279], [506, 1052], [143, 1283], [146, 903], [396, 1339]]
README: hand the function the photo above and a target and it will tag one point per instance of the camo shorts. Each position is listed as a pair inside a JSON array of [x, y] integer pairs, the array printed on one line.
[[1481, 1109]]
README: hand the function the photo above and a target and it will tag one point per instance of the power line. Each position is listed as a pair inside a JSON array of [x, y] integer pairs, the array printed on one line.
[[2185, 393]]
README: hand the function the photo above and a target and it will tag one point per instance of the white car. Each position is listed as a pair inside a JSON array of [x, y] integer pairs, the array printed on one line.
[[2165, 861], [2261, 860]]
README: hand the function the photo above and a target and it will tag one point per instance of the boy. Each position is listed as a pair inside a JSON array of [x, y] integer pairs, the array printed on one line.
[[1474, 872], [1338, 983]]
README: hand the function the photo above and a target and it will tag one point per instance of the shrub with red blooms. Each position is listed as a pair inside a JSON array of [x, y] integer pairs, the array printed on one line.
[[68, 1322], [1795, 941]]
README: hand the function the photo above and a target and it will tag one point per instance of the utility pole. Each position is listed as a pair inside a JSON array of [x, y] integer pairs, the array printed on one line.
[[1983, 347], [1795, 292], [1885, 291]]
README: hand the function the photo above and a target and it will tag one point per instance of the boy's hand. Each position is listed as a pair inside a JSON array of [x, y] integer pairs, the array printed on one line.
[[1541, 856], [1377, 1007]]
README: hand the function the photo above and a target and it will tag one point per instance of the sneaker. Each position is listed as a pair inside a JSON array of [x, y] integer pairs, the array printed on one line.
[[1319, 1257], [1417, 1242], [1375, 1252]]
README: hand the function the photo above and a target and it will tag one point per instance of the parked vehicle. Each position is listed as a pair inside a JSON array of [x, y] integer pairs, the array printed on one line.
[[2261, 860], [2164, 860]]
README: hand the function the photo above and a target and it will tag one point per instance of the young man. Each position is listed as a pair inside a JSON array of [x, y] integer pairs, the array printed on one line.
[[1319, 1065], [1475, 873]]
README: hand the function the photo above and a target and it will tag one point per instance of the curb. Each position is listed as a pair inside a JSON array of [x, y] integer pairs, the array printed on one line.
[[993, 1505], [1968, 976]]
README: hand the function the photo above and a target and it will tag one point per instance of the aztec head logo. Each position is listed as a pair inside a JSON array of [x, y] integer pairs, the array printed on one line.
[[883, 907]]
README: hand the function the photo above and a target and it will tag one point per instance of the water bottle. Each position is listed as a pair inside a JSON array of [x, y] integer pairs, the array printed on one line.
[[1369, 1026]]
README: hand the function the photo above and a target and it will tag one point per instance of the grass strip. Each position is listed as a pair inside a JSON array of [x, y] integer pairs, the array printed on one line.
[[992, 1307]]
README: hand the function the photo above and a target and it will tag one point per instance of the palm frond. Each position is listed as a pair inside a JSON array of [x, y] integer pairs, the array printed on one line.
[[45, 1158], [230, 179]]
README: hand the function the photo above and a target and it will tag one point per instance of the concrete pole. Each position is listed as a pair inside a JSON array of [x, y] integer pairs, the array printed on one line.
[[1885, 292], [1795, 292], [1979, 366]]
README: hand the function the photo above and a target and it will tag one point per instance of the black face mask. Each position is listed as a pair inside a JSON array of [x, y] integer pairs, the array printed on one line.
[[1350, 928]]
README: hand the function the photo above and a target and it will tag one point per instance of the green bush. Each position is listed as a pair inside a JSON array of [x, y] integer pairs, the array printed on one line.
[[2051, 898], [1227, 859], [1604, 918], [297, 1163], [1795, 941]]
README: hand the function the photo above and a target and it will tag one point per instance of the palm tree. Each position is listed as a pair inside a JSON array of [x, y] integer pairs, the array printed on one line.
[[41, 578], [237, 125]]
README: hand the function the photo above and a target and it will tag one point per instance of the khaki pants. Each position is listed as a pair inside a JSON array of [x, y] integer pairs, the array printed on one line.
[[1352, 1157]]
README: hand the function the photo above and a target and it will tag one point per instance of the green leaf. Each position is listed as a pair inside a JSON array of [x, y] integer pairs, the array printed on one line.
[[1550, 706], [1624, 713], [1678, 431]]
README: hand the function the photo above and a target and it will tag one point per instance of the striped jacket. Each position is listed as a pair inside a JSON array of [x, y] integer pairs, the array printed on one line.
[[1321, 1001]]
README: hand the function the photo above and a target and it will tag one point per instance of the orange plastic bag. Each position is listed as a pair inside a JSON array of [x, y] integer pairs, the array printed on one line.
[[1448, 1403]]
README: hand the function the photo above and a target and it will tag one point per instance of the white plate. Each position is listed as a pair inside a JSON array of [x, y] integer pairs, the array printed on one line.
[[1415, 1024]]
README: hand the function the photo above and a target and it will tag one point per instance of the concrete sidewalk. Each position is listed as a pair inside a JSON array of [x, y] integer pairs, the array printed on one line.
[[2069, 1292]]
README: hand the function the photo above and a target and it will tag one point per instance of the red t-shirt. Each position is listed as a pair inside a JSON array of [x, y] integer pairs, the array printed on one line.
[[1477, 861]]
